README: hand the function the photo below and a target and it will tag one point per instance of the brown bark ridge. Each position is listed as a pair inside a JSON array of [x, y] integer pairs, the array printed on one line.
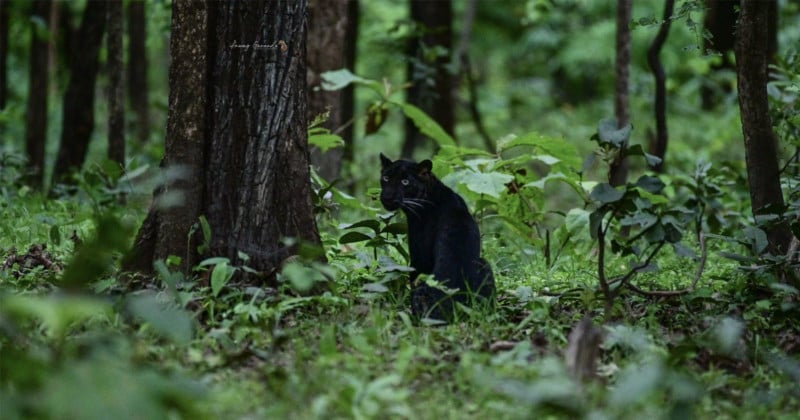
[[78, 120], [165, 230], [761, 144], [618, 171], [660, 109], [116, 102], [4, 21], [435, 20], [137, 68], [327, 28], [36, 111], [237, 127]]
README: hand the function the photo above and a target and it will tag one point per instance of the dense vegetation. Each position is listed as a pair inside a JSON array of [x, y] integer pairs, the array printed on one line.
[[698, 318]]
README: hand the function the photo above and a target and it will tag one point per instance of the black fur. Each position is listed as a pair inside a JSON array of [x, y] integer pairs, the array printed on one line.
[[443, 238]]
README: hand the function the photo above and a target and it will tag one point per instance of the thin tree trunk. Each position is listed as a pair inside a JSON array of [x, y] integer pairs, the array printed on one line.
[[137, 68], [436, 21], [618, 172], [662, 135], [116, 101], [78, 120], [761, 144], [327, 33], [348, 93], [4, 21], [720, 22], [36, 112]]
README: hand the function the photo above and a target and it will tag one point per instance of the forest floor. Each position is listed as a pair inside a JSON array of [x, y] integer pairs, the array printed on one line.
[[187, 347]]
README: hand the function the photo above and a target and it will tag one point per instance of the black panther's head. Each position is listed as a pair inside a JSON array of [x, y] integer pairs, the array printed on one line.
[[405, 184]]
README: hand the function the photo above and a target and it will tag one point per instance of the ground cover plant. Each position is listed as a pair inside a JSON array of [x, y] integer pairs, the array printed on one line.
[[661, 296]]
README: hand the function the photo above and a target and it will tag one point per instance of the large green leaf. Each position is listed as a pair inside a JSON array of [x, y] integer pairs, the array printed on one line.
[[556, 147], [165, 318], [609, 132], [426, 124], [604, 193], [489, 183], [325, 142]]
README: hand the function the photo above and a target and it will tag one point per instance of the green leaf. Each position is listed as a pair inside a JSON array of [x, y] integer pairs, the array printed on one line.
[[604, 193], [642, 219], [326, 142], [166, 319], [489, 183], [650, 184], [637, 150], [367, 223], [221, 275], [555, 147], [608, 132], [396, 228], [339, 79], [426, 124], [351, 237], [214, 261]]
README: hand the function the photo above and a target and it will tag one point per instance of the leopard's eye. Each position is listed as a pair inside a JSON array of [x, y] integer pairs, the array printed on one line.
[[385, 179], [404, 182]]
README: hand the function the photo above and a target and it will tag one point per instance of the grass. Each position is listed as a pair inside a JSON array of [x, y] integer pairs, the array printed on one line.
[[356, 354]]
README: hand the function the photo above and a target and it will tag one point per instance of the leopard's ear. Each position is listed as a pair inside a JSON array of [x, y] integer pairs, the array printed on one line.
[[385, 162], [423, 169]]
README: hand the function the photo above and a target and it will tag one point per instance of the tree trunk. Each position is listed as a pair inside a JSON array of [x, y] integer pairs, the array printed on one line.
[[720, 22], [4, 21], [348, 93], [78, 120], [662, 135], [435, 20], [327, 33], [761, 144], [116, 104], [618, 172], [36, 112], [237, 126], [137, 68]]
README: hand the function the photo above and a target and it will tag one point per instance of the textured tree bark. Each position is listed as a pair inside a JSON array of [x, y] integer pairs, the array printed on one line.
[[761, 144], [618, 172], [165, 231], [137, 68], [116, 101], [436, 21], [36, 111], [4, 21], [660, 109], [78, 120], [327, 33], [237, 127], [259, 190]]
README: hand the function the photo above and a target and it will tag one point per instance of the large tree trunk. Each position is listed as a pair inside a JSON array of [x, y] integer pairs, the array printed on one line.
[[618, 172], [36, 112], [660, 109], [78, 120], [116, 104], [435, 20], [4, 21], [237, 126], [137, 68], [327, 30], [761, 144]]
